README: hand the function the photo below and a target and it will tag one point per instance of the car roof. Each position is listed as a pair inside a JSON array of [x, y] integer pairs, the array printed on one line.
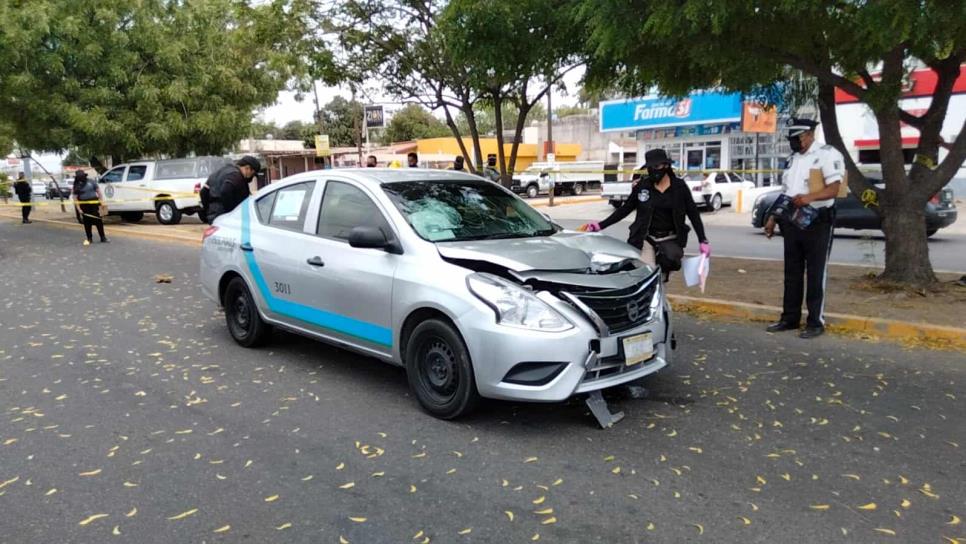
[[375, 177]]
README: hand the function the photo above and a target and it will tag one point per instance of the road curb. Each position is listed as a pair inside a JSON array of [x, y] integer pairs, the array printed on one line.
[[118, 232], [906, 332], [572, 201]]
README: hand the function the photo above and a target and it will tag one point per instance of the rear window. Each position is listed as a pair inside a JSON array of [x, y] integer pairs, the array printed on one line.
[[290, 206]]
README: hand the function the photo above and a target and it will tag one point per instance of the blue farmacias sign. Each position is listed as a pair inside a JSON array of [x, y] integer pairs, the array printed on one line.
[[656, 111]]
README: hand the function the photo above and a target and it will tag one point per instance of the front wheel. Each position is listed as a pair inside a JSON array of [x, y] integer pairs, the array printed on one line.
[[578, 189], [244, 323], [532, 191], [168, 213], [439, 370]]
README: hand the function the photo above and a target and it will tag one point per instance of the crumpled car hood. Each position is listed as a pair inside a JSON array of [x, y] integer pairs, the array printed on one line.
[[565, 251]]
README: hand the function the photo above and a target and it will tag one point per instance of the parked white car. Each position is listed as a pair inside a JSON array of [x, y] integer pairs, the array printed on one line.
[[717, 189], [168, 188]]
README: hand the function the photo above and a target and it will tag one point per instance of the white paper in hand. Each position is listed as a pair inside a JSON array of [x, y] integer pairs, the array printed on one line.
[[695, 270]]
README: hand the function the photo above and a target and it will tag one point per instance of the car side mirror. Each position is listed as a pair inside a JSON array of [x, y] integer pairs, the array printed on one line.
[[365, 237]]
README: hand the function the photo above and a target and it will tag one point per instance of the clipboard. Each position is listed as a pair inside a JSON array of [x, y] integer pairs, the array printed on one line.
[[816, 182]]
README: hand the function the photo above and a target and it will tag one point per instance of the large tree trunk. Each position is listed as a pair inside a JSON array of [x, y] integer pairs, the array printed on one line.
[[907, 251], [451, 123], [500, 154]]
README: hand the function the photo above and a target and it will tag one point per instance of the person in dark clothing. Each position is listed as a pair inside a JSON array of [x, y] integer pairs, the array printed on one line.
[[24, 194], [458, 164], [412, 160], [661, 200], [371, 161], [227, 188], [88, 199]]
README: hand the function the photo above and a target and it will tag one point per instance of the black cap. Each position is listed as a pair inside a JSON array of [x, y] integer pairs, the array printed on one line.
[[655, 158], [251, 162], [80, 174], [796, 126]]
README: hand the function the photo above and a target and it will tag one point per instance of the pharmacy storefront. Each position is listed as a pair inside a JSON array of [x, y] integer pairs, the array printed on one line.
[[701, 132]]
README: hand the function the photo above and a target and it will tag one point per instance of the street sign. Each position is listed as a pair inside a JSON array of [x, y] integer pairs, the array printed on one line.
[[758, 118], [375, 117], [322, 148]]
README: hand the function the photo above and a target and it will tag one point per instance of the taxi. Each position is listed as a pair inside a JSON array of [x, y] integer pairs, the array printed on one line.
[[453, 277]]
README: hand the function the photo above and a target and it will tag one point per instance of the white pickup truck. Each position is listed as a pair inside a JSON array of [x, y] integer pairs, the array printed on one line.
[[168, 188], [572, 177]]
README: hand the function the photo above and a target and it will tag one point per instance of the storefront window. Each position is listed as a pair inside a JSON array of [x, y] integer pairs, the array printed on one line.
[[712, 157]]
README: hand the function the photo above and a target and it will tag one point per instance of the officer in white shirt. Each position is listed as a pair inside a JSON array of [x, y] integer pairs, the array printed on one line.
[[807, 249]]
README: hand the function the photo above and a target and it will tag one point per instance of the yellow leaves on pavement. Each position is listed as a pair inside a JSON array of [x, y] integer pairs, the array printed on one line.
[[89, 520], [906, 503], [531, 459], [852, 476], [466, 531], [699, 527], [284, 526], [889, 532], [870, 506], [116, 531], [955, 520], [183, 515], [544, 512], [819, 507], [342, 540], [90, 473], [744, 520], [340, 466], [348, 485], [539, 500], [132, 513], [358, 519], [650, 526], [272, 498], [509, 514], [222, 529]]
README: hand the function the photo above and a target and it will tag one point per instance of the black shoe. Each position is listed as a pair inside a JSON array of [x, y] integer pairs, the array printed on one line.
[[812, 332], [781, 326], [105, 241]]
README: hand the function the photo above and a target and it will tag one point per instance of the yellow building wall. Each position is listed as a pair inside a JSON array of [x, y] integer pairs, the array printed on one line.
[[527, 154]]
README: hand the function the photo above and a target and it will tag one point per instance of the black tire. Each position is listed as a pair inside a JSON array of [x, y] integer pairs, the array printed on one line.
[[132, 217], [167, 212], [930, 232], [439, 370], [244, 322], [716, 202], [578, 189], [533, 191]]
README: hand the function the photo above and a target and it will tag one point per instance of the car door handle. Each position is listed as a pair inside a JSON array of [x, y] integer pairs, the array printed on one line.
[[315, 261], [246, 247]]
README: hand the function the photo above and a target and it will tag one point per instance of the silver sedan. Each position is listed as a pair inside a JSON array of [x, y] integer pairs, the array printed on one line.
[[453, 277]]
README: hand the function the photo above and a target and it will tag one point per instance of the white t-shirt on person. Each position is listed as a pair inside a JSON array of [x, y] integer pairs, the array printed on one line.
[[818, 157]]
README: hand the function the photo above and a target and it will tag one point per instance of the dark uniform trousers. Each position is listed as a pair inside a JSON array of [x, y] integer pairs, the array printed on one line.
[[806, 254]]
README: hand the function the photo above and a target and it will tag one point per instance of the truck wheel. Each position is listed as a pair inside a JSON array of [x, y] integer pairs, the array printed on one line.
[[439, 370], [533, 191], [168, 213], [132, 217], [578, 189], [716, 202]]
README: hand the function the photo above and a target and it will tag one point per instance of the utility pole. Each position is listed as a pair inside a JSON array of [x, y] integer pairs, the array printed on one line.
[[318, 113], [551, 153]]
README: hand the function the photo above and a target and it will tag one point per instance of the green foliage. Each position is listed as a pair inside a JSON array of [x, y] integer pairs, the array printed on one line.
[[568, 111], [131, 78], [74, 158], [486, 118], [413, 122], [342, 121]]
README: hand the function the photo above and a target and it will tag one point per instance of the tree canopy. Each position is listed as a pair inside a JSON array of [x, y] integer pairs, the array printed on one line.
[[413, 122], [130, 78], [744, 45]]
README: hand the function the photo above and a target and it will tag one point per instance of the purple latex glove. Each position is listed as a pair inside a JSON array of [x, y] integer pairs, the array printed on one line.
[[592, 227], [705, 249]]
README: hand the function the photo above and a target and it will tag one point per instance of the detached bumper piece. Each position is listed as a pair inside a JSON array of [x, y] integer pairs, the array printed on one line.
[[598, 407]]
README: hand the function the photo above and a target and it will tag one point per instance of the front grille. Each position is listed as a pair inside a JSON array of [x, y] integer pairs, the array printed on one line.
[[622, 309]]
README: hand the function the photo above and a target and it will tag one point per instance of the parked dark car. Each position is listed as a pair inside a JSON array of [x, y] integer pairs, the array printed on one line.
[[64, 186], [852, 214]]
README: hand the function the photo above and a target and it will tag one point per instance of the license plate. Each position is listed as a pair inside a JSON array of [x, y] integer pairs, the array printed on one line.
[[638, 349]]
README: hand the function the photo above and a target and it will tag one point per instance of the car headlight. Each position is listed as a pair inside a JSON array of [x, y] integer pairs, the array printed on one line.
[[515, 306], [658, 299]]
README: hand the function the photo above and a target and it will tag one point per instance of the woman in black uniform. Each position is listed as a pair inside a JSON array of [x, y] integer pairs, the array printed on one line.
[[661, 200]]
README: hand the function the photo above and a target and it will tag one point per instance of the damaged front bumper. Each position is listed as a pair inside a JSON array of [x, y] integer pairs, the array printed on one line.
[[515, 364]]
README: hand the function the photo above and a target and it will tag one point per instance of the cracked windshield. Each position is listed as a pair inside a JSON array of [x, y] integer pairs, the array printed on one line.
[[454, 211]]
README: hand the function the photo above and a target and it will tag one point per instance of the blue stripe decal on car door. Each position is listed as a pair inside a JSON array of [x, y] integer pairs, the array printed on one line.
[[313, 316]]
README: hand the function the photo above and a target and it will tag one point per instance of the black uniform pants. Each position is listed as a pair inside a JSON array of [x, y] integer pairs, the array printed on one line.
[[806, 255], [91, 214], [25, 209]]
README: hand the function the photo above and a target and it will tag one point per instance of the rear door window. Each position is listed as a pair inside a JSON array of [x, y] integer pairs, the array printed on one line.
[[136, 172], [263, 206], [291, 205]]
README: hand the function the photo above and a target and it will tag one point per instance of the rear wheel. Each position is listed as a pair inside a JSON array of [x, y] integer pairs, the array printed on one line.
[[132, 217], [716, 202], [578, 189], [244, 323], [168, 213], [439, 370], [533, 191]]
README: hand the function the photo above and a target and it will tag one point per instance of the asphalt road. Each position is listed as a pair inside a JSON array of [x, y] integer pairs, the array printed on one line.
[[731, 235], [127, 410]]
